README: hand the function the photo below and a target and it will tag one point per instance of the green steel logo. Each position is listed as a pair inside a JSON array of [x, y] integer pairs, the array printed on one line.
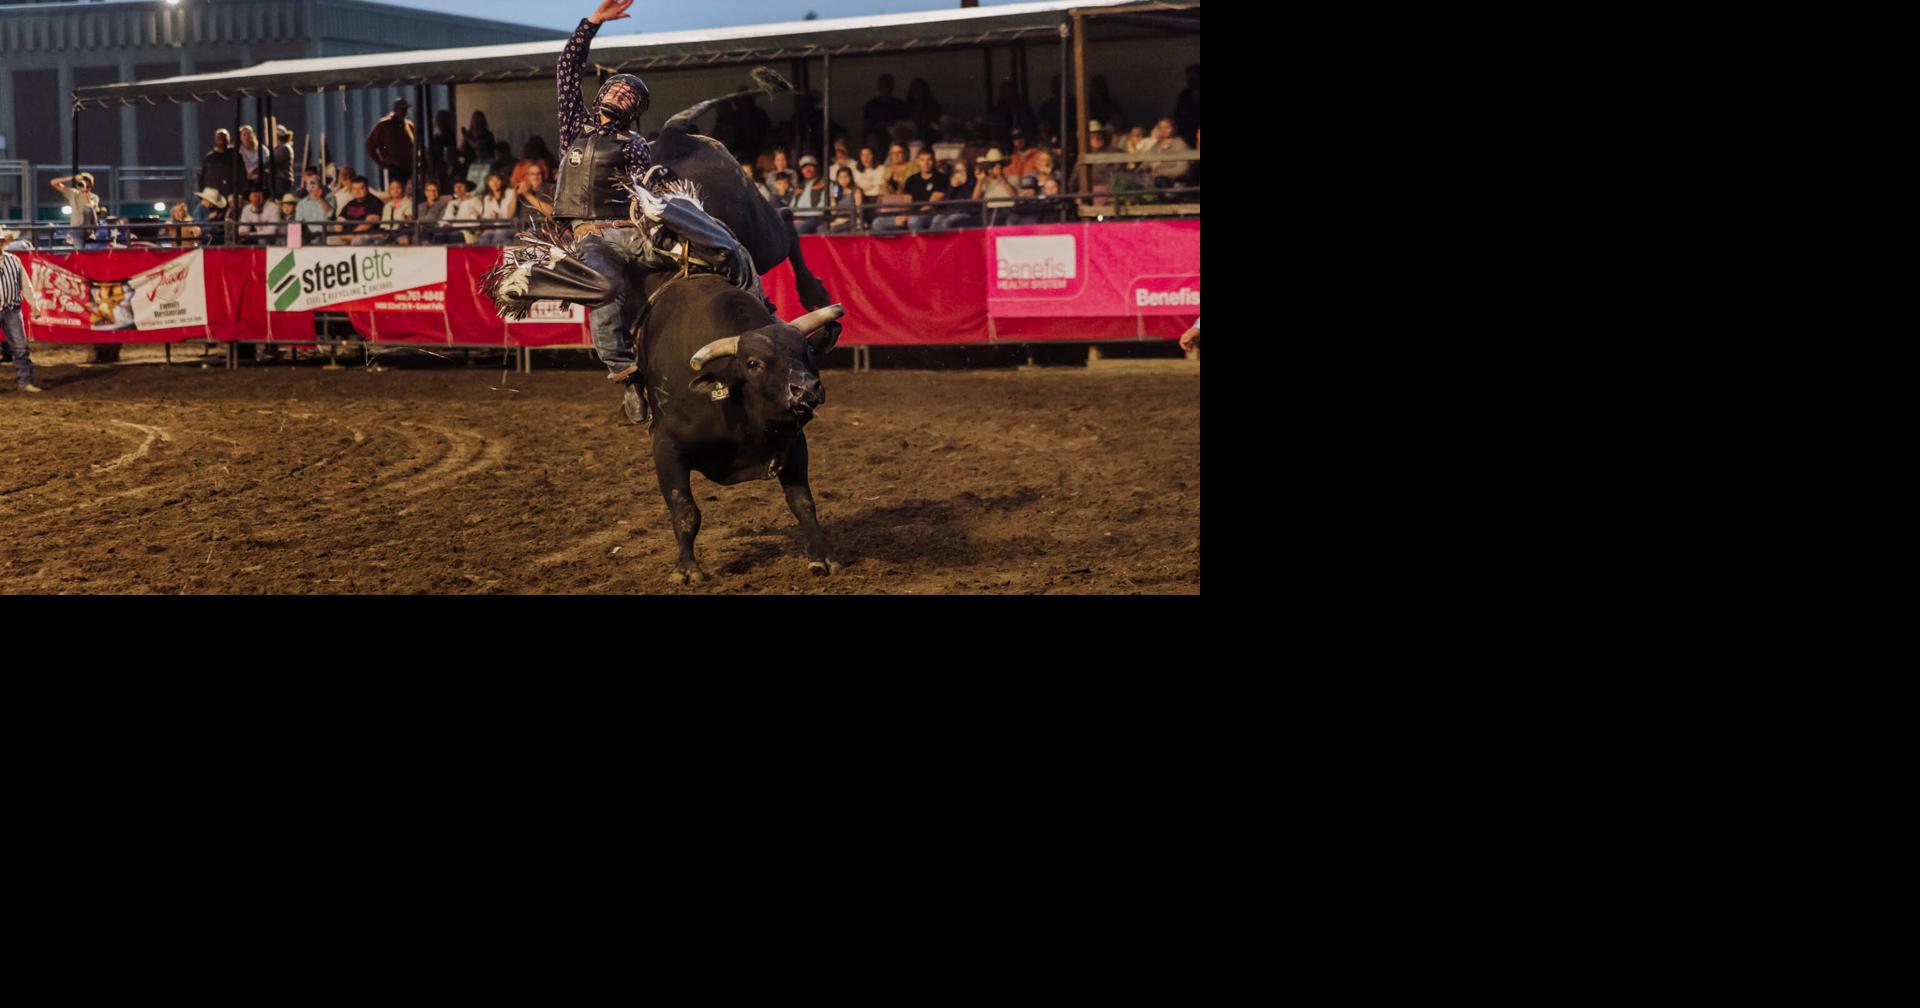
[[282, 285], [338, 276]]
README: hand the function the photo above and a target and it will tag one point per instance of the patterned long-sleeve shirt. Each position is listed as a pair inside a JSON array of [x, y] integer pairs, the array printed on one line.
[[12, 281], [573, 112]]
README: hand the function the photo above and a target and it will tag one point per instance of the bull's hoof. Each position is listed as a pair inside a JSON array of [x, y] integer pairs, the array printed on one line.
[[824, 568], [689, 575]]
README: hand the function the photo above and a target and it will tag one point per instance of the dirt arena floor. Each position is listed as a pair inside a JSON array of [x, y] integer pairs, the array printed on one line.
[[448, 479]]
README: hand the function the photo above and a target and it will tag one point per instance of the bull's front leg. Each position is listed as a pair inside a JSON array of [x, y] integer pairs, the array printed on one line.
[[676, 487], [793, 480]]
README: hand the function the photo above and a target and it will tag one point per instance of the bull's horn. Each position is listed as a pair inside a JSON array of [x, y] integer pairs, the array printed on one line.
[[815, 319], [718, 348]]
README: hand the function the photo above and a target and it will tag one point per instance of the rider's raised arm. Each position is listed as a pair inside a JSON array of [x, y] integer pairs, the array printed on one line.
[[566, 73], [566, 70]]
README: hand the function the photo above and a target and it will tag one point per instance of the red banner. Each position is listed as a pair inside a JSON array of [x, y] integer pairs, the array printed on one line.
[[913, 289], [1094, 270], [455, 313], [1079, 282]]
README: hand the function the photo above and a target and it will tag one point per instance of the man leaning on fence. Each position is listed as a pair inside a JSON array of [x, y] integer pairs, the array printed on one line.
[[13, 288]]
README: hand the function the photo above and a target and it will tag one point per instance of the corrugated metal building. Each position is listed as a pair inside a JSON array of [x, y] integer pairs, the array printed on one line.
[[49, 49]]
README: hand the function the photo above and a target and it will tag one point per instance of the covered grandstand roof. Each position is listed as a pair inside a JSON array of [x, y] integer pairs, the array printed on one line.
[[852, 36]]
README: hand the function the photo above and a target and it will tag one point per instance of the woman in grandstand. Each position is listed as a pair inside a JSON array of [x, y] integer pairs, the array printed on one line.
[[180, 229], [250, 155], [898, 168], [498, 203], [870, 177]]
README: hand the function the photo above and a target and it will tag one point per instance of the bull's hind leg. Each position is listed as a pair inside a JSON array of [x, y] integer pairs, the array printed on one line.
[[793, 480], [676, 487]]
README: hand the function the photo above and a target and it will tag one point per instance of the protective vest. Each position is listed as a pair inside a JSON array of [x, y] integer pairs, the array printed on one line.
[[592, 169]]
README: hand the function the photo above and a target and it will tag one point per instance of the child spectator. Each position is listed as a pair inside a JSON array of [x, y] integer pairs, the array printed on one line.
[[780, 165], [848, 198]]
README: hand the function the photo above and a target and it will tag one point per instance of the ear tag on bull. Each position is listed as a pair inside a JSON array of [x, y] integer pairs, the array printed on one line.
[[719, 392], [573, 157]]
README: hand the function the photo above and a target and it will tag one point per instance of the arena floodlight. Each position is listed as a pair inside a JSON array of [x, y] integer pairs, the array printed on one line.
[[66, 211], [162, 207]]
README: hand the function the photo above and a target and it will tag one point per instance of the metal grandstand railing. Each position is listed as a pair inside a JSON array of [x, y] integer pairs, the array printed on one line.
[[1179, 201]]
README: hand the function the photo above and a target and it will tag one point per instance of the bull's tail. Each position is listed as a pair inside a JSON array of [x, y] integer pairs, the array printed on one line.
[[765, 81]]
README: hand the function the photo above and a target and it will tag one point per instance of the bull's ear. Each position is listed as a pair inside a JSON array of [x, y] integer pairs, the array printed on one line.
[[823, 338], [718, 374]]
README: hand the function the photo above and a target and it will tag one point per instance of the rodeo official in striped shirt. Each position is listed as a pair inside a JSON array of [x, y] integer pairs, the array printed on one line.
[[13, 285]]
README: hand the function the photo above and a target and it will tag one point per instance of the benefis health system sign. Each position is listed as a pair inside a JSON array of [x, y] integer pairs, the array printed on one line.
[[1094, 271]]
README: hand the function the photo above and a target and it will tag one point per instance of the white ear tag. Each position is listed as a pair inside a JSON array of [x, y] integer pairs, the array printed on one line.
[[719, 392]]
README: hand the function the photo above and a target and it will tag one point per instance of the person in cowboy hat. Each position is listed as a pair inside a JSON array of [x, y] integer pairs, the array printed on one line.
[[992, 184], [84, 214], [289, 205], [213, 212]]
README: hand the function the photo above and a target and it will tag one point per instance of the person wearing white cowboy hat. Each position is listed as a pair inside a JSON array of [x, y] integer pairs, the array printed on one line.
[[213, 210], [993, 182]]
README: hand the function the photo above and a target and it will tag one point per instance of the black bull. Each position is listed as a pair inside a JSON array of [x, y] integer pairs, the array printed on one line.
[[733, 389], [729, 199]]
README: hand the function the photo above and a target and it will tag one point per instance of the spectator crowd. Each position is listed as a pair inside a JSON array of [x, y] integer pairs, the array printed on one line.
[[915, 167]]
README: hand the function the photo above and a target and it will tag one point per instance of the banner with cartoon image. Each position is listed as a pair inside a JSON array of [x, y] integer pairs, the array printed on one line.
[[171, 295]]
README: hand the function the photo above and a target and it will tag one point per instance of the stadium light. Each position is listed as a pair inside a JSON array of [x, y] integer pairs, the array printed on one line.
[[162, 207], [66, 211], [173, 3]]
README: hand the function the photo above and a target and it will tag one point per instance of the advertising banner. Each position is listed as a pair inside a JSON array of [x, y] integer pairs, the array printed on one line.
[[363, 278], [550, 312], [1111, 270], [59, 298], [172, 295]]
